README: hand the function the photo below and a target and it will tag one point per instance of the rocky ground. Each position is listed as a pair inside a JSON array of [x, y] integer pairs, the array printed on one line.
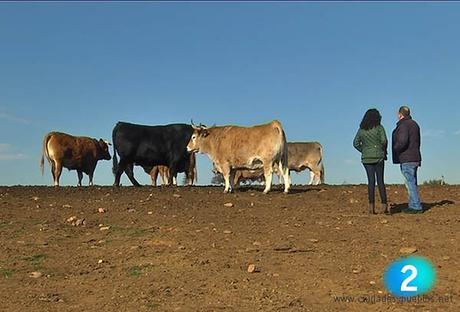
[[196, 249]]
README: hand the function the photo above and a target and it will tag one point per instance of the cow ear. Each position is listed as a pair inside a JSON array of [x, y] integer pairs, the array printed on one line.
[[204, 133]]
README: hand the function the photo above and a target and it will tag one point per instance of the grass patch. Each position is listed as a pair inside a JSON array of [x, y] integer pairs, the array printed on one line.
[[3, 224], [138, 270], [6, 273], [153, 305], [135, 271], [374, 255], [18, 232], [116, 228], [35, 260], [137, 232]]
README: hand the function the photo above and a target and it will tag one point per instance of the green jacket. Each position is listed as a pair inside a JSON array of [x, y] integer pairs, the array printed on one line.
[[372, 144]]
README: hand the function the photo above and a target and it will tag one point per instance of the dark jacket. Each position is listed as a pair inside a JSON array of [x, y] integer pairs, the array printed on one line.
[[406, 142], [372, 144]]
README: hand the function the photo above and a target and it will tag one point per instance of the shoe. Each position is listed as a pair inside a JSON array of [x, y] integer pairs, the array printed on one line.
[[385, 209], [412, 211], [372, 208]]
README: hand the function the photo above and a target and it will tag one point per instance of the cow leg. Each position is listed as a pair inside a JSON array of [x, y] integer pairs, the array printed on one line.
[[120, 169], [154, 175], [316, 177], [172, 174], [190, 176], [228, 183], [190, 172], [236, 178], [57, 173], [53, 170], [231, 179], [80, 177], [129, 170], [286, 177], [268, 174], [188, 180], [165, 177], [90, 175], [312, 177]]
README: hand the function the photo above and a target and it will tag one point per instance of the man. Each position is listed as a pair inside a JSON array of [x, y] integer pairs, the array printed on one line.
[[406, 152]]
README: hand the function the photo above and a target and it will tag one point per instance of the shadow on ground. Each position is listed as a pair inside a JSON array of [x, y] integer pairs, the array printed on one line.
[[398, 208], [278, 188]]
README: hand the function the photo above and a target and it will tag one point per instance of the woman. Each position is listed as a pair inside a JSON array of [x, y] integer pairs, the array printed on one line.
[[371, 141]]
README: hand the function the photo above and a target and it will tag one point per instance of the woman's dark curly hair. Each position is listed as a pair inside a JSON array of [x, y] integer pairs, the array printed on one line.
[[371, 119]]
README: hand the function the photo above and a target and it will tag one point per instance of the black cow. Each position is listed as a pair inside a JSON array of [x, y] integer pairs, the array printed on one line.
[[149, 146]]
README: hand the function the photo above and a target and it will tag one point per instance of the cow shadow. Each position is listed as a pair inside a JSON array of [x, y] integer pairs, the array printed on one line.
[[279, 189], [398, 208], [305, 189]]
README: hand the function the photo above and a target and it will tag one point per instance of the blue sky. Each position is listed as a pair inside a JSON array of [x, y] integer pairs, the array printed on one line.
[[317, 67]]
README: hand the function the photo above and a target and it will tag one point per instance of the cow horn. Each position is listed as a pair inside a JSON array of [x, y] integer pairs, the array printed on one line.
[[193, 125]]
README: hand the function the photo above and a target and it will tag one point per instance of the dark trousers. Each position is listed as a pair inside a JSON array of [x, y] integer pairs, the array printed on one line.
[[373, 171]]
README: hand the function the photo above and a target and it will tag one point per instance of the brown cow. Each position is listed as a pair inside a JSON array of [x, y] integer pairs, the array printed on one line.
[[242, 175], [73, 153], [231, 148], [164, 175], [190, 172]]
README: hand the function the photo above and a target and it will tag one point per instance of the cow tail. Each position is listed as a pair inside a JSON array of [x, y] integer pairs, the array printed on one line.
[[321, 164], [115, 158], [284, 156], [44, 152]]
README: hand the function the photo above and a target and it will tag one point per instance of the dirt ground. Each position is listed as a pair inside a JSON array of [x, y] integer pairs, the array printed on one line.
[[182, 249]]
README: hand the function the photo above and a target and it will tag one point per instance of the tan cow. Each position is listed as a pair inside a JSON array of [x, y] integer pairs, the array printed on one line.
[[301, 156], [74, 153], [232, 147], [306, 155], [190, 173]]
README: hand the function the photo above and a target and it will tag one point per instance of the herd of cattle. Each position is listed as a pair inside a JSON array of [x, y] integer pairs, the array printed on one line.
[[238, 153]]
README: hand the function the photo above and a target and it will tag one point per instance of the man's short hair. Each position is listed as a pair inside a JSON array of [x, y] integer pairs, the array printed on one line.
[[405, 111]]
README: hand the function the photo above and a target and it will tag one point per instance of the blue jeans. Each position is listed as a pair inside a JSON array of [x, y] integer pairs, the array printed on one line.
[[373, 171], [409, 171]]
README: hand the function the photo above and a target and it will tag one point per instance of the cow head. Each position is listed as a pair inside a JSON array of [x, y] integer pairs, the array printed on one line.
[[198, 136], [103, 149]]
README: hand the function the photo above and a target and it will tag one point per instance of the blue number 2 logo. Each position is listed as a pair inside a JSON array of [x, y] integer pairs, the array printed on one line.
[[408, 277]]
